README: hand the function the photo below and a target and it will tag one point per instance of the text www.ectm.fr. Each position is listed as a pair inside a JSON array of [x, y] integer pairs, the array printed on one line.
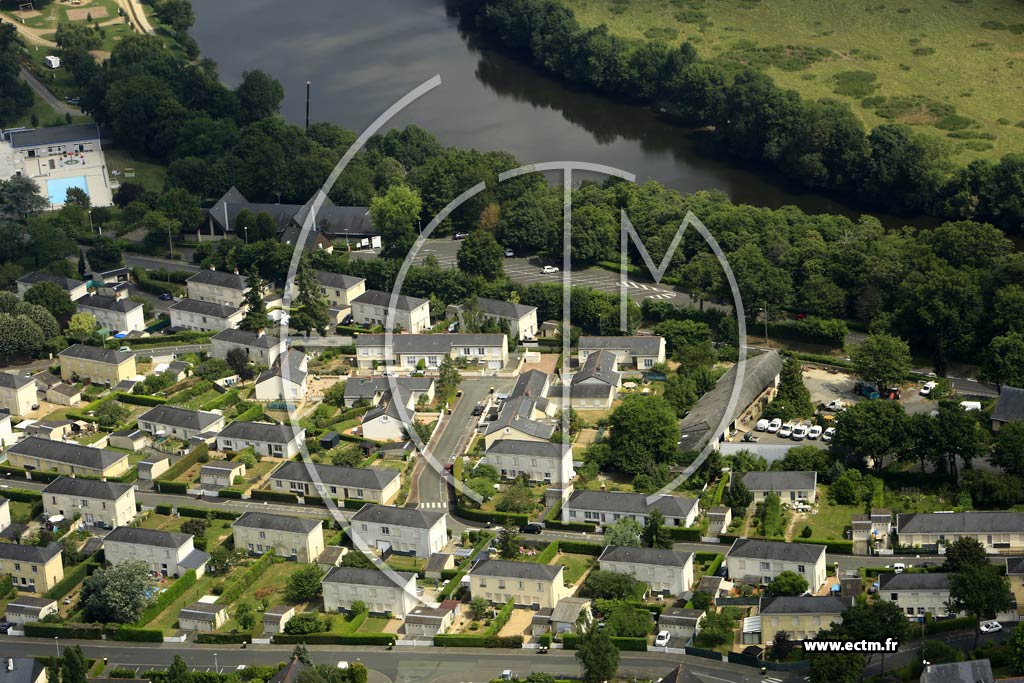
[[888, 645]]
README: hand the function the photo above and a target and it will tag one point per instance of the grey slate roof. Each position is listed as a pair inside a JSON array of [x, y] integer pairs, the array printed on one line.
[[29, 603], [204, 308], [517, 570], [72, 454], [95, 353], [515, 414], [9, 380], [1009, 405], [374, 297], [803, 604], [330, 219], [780, 481], [652, 556], [287, 365], [701, 423], [430, 343], [974, 671], [55, 135], [538, 449], [775, 550], [398, 516], [503, 309], [639, 345], [108, 303], [375, 478], [680, 616], [87, 488], [153, 537], [600, 366], [219, 278], [65, 283], [260, 431], [954, 523], [581, 390], [337, 280], [287, 523], [28, 553], [361, 576], [365, 389], [630, 503], [174, 416], [246, 338], [65, 389], [390, 407], [530, 384], [202, 610], [913, 582], [26, 670], [567, 610]]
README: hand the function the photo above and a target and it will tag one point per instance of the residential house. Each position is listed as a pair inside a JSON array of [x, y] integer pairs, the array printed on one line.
[[32, 569], [708, 420], [129, 439], [220, 473], [681, 623], [426, 621], [540, 461], [275, 617], [757, 562], [408, 313], [1015, 574], [407, 350], [263, 348], [916, 594], [34, 453], [343, 586], [800, 616], [338, 289], [593, 387], [53, 430], [5, 514], [285, 379], [217, 287], [562, 618], [875, 528], [7, 436], [296, 538], [76, 289], [406, 531], [376, 484], [719, 519], [997, 531], [26, 608], [639, 352], [179, 423], [167, 553], [438, 563], [17, 393], [99, 366], [524, 411], [665, 571], [520, 318], [62, 394], [973, 671], [386, 421], [204, 316], [1009, 407], [98, 503], [529, 584], [153, 467], [606, 507], [791, 487], [370, 390], [23, 670], [279, 441], [116, 314], [204, 617]]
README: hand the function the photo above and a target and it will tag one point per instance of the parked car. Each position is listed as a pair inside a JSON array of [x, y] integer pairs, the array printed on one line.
[[166, 297], [799, 432], [454, 327], [547, 270], [926, 390], [827, 435], [478, 410], [751, 437], [509, 253], [990, 626], [531, 528], [662, 639], [814, 432], [786, 430], [347, 320], [774, 425], [125, 349], [762, 425], [835, 405], [460, 235]]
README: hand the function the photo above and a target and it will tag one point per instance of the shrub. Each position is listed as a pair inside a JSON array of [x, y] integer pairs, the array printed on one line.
[[70, 631], [857, 84], [277, 496], [240, 585], [223, 638], [164, 599], [136, 635], [171, 486]]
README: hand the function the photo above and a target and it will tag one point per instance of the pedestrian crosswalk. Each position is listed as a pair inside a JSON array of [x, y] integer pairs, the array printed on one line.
[[433, 505], [770, 679]]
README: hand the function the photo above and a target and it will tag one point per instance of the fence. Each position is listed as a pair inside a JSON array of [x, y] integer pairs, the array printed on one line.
[[705, 654], [739, 602]]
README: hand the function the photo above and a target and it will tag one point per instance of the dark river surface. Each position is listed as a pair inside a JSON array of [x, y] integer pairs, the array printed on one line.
[[363, 56]]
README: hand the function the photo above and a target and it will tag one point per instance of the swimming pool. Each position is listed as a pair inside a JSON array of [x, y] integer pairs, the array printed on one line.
[[57, 188]]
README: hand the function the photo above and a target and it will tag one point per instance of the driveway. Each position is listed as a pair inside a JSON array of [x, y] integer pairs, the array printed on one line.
[[44, 93]]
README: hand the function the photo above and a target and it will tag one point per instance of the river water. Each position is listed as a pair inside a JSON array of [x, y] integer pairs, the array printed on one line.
[[362, 56]]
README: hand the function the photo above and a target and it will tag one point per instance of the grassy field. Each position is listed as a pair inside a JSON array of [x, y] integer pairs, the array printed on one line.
[[150, 176], [829, 521], [218, 530], [951, 68], [575, 566]]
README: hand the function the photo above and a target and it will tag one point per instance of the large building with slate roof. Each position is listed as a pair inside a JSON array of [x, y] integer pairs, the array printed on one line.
[[275, 440], [373, 307], [916, 594], [374, 484], [98, 503], [263, 348], [204, 316], [393, 593], [758, 562], [217, 287], [179, 423], [529, 584], [167, 553], [641, 352], [296, 538], [32, 568], [996, 531], [17, 393], [406, 531], [664, 571], [285, 379], [791, 486], [406, 350], [541, 461], [1009, 407], [604, 508], [100, 366], [800, 616], [35, 453], [76, 289]]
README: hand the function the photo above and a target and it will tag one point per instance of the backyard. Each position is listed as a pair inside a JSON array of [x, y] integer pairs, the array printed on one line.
[[575, 566]]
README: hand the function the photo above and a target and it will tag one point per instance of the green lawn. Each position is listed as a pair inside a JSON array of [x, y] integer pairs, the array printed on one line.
[[962, 56], [21, 513], [271, 585], [149, 175], [372, 625], [830, 520], [403, 563], [575, 566], [215, 534]]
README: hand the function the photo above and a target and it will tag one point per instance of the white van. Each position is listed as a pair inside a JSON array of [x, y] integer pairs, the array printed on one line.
[[762, 425]]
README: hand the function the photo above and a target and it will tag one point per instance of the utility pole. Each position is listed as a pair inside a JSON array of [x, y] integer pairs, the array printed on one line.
[[307, 105], [766, 340]]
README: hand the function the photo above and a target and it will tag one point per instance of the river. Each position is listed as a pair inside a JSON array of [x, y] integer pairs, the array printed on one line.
[[362, 56]]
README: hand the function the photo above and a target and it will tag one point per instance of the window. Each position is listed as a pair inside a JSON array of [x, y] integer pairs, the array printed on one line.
[[17, 566], [572, 514], [104, 504], [765, 566], [295, 551], [85, 503], [483, 584], [259, 547], [648, 362], [501, 584], [334, 489], [920, 610], [35, 569], [363, 526], [520, 585], [801, 569], [894, 596], [385, 531], [53, 499], [263, 535], [480, 351], [250, 547], [910, 611], [359, 493]]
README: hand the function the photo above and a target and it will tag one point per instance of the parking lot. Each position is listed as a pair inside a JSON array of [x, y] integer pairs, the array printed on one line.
[[827, 386]]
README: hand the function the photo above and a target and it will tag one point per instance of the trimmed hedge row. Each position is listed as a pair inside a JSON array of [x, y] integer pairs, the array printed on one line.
[[171, 486], [136, 635], [36, 629], [581, 547], [715, 565], [189, 511], [569, 641], [223, 638], [184, 582], [277, 496], [37, 475], [683, 533], [454, 582], [72, 578], [23, 495], [249, 577], [336, 639], [584, 527], [233, 493], [946, 625], [499, 518], [354, 503], [546, 555], [501, 618], [837, 547], [140, 399], [179, 468], [162, 509]]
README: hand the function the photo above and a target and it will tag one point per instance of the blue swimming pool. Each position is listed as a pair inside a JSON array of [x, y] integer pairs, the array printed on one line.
[[58, 188]]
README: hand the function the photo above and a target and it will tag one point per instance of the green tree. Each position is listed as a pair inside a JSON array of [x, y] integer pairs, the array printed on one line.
[[19, 196], [105, 254], [300, 653], [245, 616], [872, 429], [311, 311], [74, 668], [625, 532], [238, 360], [787, 583], [480, 254], [609, 585], [738, 497], [881, 359], [448, 377], [963, 554], [643, 432], [395, 214], [875, 621], [305, 622], [178, 671], [793, 399], [81, 326], [335, 394], [597, 655], [478, 607], [628, 622], [304, 584], [81, 264], [1008, 453], [980, 592], [117, 594], [259, 95], [836, 667], [1017, 648], [111, 413], [40, 316], [19, 336], [508, 543], [848, 488], [357, 673], [256, 317], [76, 196], [655, 534], [1004, 360], [51, 297], [782, 645]]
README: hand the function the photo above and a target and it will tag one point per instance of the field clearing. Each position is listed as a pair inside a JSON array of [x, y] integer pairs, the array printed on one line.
[[967, 54]]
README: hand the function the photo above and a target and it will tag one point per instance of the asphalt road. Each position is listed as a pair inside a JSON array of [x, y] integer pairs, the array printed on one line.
[[426, 665], [153, 263], [44, 93]]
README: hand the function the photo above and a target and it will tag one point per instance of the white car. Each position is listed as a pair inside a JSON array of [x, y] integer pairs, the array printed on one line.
[[509, 253], [786, 430], [990, 626], [547, 270], [762, 425], [814, 432], [774, 425], [926, 390], [828, 434], [799, 432], [664, 636]]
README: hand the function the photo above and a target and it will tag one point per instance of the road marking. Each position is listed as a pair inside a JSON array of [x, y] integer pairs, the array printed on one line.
[[433, 504]]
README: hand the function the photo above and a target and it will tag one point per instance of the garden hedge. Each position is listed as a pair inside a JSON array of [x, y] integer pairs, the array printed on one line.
[[189, 511], [37, 475], [72, 578], [232, 493], [354, 503], [546, 555], [164, 599], [946, 625], [36, 629], [683, 533], [581, 547], [136, 635], [498, 518], [140, 399], [277, 496], [223, 638], [171, 486], [240, 585], [23, 495], [179, 468], [164, 509], [336, 638], [836, 547]]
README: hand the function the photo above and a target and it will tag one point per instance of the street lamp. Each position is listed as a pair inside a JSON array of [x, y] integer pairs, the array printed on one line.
[[764, 310], [215, 667], [90, 220], [56, 641], [246, 229]]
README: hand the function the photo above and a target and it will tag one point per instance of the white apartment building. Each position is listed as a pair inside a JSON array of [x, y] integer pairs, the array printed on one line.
[[345, 585], [374, 307], [408, 531], [665, 571], [167, 553], [98, 503]]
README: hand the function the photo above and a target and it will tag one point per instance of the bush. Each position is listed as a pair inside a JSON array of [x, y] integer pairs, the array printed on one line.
[[140, 399], [23, 495], [240, 585], [171, 486], [581, 547], [164, 509], [188, 511], [136, 635], [459, 640], [277, 496], [678, 533], [233, 493], [944, 625], [570, 526], [72, 578], [70, 631], [497, 518], [164, 599], [223, 638], [837, 547], [509, 642], [546, 555], [336, 638]]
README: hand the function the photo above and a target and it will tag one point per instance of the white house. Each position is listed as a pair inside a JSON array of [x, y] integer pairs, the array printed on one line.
[[997, 531], [404, 530], [114, 313], [373, 484], [167, 553], [541, 461], [528, 584], [792, 487], [217, 287], [340, 289], [758, 562], [606, 507], [665, 571], [263, 348], [285, 379], [345, 585], [203, 316], [916, 594], [407, 350], [374, 307], [179, 423], [275, 440], [520, 318], [384, 422], [100, 503], [593, 387], [639, 352], [17, 393], [6, 431], [681, 623], [298, 538], [76, 289], [371, 389]]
